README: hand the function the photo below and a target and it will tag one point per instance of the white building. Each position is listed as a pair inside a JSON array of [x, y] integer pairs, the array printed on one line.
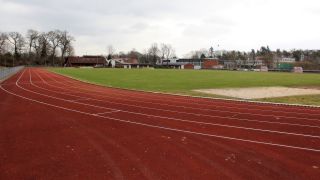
[[251, 62], [166, 61]]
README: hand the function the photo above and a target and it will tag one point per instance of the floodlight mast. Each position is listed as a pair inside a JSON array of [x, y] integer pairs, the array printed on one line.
[[211, 52]]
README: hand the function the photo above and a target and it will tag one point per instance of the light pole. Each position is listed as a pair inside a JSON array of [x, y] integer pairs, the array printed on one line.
[[211, 52]]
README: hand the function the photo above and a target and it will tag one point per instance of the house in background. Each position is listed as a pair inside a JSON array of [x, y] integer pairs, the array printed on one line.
[[85, 61], [126, 60], [127, 63], [204, 63], [180, 63], [187, 66], [211, 63]]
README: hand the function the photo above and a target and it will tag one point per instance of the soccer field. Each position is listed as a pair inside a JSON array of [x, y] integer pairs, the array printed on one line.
[[184, 81]]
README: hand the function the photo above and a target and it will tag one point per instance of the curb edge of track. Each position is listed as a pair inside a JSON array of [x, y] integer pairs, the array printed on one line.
[[191, 96]]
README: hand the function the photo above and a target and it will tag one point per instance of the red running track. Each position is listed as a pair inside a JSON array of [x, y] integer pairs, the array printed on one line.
[[52, 126]]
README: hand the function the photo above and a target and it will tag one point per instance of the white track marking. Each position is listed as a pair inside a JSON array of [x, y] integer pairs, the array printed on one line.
[[80, 99], [232, 118], [162, 127], [17, 84], [11, 84], [175, 119], [182, 120], [204, 115], [203, 109], [237, 119], [191, 103], [107, 112]]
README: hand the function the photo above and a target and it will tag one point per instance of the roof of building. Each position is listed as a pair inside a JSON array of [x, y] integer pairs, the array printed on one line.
[[86, 60], [196, 60], [175, 63], [189, 60], [210, 59], [126, 60], [91, 56]]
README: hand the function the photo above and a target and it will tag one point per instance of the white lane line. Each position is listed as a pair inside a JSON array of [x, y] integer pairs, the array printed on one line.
[[80, 99], [109, 112], [229, 118], [179, 112], [18, 85], [165, 128], [175, 119], [259, 109], [201, 109], [10, 84]]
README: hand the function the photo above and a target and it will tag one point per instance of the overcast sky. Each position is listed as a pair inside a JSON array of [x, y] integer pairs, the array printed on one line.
[[186, 24]]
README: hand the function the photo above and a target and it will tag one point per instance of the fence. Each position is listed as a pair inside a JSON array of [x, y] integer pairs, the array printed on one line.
[[7, 71]]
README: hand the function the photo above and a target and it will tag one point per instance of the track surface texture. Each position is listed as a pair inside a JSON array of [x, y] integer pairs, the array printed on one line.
[[54, 127]]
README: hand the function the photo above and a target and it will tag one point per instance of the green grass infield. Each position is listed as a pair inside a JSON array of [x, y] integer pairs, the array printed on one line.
[[184, 81]]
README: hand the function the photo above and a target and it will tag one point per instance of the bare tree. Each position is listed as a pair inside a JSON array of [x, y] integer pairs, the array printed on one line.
[[198, 54], [36, 46], [18, 41], [168, 51], [111, 50], [65, 43], [3, 42], [44, 46], [163, 50], [70, 51], [145, 57], [32, 36], [153, 51], [53, 38], [3, 46]]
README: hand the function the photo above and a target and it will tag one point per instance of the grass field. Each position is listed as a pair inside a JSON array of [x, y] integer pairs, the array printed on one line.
[[184, 81]]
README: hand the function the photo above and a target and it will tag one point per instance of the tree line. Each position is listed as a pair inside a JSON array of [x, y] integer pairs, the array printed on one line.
[[156, 53], [308, 59], [35, 48], [50, 48]]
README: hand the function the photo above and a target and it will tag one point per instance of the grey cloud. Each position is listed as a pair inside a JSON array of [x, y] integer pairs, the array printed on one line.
[[205, 31], [136, 28], [137, 23]]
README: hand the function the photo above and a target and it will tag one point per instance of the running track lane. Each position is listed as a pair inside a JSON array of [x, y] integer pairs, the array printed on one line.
[[55, 127]]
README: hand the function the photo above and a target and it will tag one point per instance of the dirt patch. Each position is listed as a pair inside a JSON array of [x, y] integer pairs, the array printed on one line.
[[260, 92]]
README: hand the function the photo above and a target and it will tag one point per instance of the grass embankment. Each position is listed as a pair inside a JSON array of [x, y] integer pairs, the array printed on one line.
[[184, 81]]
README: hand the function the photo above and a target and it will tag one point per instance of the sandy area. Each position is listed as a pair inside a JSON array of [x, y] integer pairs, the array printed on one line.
[[260, 92]]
